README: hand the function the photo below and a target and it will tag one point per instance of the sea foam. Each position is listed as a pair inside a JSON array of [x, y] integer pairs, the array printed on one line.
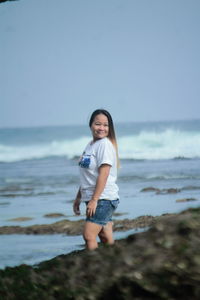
[[166, 144]]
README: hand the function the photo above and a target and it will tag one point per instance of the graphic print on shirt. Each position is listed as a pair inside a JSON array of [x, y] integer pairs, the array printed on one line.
[[84, 161]]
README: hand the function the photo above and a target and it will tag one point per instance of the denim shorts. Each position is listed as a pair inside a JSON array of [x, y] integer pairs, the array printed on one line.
[[104, 211]]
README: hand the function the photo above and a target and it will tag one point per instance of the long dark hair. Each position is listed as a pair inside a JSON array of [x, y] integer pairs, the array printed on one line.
[[111, 132]]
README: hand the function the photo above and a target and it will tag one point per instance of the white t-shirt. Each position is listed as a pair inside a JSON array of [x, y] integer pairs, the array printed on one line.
[[95, 154]]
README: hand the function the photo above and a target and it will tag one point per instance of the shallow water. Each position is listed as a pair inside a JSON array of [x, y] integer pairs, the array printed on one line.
[[33, 187], [33, 249]]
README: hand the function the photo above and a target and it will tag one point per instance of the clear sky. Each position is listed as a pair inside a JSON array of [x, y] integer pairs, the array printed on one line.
[[60, 60]]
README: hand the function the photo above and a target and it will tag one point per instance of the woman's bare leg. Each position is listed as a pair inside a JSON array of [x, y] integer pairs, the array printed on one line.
[[106, 234], [90, 233]]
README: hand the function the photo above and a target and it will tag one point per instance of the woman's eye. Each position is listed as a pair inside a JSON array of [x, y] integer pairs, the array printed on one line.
[[98, 124]]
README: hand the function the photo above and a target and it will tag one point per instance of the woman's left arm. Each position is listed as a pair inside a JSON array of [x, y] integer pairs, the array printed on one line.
[[104, 171]]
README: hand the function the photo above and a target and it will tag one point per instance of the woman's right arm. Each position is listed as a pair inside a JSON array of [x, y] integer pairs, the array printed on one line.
[[77, 201]]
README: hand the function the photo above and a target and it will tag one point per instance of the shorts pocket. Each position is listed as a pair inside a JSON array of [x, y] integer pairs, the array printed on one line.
[[115, 203]]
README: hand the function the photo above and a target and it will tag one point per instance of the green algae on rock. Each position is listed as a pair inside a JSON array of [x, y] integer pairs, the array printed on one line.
[[161, 263]]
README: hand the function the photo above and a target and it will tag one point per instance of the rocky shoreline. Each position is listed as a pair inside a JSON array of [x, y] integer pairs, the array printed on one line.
[[75, 227], [69, 227], [161, 263]]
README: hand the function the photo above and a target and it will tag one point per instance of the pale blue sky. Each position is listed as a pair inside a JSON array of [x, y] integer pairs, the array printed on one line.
[[60, 60]]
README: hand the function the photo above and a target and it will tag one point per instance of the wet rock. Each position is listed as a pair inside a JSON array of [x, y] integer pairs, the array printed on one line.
[[161, 191], [162, 263], [15, 188], [4, 203], [190, 188], [169, 191], [117, 214], [150, 189], [1, 1], [54, 215], [186, 200], [76, 227], [64, 226], [21, 219], [139, 222], [10, 195]]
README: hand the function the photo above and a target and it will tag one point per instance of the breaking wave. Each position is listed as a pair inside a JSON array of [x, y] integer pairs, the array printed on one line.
[[167, 144]]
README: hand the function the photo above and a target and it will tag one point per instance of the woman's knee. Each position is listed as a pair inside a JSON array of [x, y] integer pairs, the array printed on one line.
[[88, 236], [91, 231]]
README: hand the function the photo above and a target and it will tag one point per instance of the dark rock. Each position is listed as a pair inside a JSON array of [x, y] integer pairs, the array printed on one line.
[[4, 203], [169, 191], [161, 191], [117, 214], [21, 219], [64, 226], [162, 263], [54, 215], [150, 189], [186, 200], [76, 227], [1, 1], [190, 188]]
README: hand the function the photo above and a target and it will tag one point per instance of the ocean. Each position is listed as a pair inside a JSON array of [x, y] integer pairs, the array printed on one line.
[[39, 176]]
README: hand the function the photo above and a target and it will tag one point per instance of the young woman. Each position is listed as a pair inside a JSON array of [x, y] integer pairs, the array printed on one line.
[[98, 173]]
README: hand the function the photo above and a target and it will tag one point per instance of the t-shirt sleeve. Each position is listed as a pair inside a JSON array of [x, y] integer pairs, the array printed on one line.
[[105, 153]]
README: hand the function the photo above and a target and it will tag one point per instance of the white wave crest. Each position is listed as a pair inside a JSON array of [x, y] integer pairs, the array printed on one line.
[[69, 148], [160, 145], [167, 144]]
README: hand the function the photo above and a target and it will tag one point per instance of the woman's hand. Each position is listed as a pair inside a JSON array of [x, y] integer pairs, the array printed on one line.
[[76, 203], [76, 207], [91, 208]]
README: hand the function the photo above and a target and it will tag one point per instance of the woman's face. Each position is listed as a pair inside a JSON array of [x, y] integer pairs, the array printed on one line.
[[100, 127]]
